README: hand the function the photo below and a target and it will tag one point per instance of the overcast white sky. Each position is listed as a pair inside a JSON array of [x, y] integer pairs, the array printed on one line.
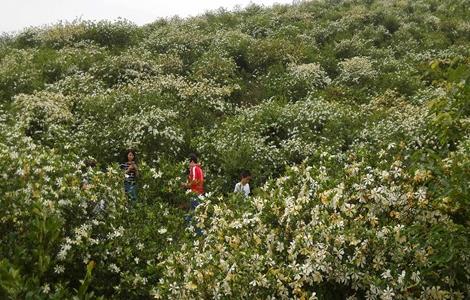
[[15, 15]]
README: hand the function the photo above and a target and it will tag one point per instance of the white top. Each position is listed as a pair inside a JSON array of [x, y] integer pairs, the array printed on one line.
[[239, 188]]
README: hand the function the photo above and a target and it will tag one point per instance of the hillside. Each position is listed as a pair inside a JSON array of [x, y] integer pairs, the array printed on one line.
[[352, 117]]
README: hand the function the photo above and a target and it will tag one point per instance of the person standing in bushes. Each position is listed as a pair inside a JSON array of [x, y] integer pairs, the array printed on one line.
[[130, 175], [244, 185], [194, 184], [195, 181]]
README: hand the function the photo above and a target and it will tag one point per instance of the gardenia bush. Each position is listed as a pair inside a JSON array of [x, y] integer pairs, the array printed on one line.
[[352, 117], [306, 233]]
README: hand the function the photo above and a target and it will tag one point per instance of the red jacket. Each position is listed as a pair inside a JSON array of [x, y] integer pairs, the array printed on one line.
[[196, 180]]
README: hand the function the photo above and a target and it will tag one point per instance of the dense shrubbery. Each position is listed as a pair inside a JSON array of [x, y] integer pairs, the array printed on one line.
[[352, 116]]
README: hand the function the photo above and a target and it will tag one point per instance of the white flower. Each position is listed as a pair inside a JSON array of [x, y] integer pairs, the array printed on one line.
[[156, 294], [19, 172], [63, 251], [59, 269], [174, 287], [415, 277], [387, 294], [386, 274], [162, 230], [401, 278], [114, 268], [156, 174], [421, 193], [46, 289], [117, 233], [369, 179], [86, 259]]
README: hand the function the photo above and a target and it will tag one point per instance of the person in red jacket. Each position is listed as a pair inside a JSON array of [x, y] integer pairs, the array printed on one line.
[[196, 176], [195, 184]]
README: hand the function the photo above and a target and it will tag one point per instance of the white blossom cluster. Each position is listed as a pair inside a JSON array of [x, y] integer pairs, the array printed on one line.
[[304, 232], [356, 70]]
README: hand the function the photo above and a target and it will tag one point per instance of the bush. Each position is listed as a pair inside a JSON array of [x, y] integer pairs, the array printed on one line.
[[116, 35], [306, 234], [178, 38], [44, 115], [264, 139], [55, 228], [352, 117], [131, 65], [357, 70], [217, 67], [18, 74]]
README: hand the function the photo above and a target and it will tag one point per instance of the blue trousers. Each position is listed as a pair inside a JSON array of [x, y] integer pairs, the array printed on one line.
[[188, 218], [130, 188]]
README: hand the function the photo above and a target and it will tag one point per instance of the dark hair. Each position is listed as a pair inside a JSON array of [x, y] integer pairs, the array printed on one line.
[[245, 173], [193, 158], [130, 150], [90, 163]]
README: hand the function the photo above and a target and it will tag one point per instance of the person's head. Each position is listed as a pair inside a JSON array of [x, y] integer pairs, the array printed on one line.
[[245, 177], [88, 164], [131, 155], [192, 159]]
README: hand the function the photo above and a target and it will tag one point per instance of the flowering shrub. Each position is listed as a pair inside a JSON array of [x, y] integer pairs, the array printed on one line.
[[236, 44], [170, 63], [308, 235], [17, 74], [357, 70], [349, 48], [271, 51], [29, 37], [306, 77], [215, 66], [54, 227], [44, 115], [352, 116], [178, 38], [134, 64], [266, 138], [119, 34], [151, 131], [77, 84]]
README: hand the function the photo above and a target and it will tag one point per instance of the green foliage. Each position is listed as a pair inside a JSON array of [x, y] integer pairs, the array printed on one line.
[[115, 35], [52, 225], [134, 64], [266, 138], [18, 74], [181, 38], [44, 115], [352, 116], [215, 66], [306, 231]]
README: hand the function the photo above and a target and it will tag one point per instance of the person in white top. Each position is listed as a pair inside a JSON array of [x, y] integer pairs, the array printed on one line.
[[244, 185]]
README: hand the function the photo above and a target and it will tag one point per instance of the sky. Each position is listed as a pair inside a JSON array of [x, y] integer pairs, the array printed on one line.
[[15, 15]]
